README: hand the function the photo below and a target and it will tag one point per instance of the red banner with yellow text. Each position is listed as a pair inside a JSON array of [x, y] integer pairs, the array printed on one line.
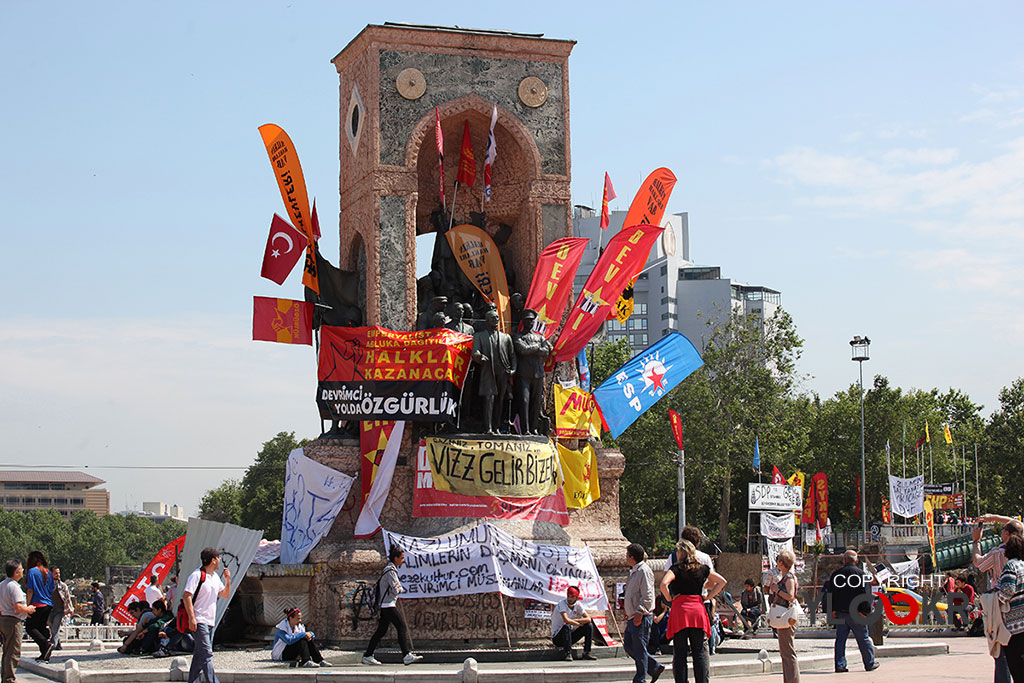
[[623, 257], [648, 208], [160, 566], [552, 282], [373, 373], [291, 182], [478, 257], [677, 427], [820, 487]]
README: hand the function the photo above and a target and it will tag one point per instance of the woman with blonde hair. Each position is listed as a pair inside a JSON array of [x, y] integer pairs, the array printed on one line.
[[688, 623], [783, 594]]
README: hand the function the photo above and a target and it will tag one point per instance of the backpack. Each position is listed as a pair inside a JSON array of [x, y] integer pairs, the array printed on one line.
[[374, 594], [181, 621]]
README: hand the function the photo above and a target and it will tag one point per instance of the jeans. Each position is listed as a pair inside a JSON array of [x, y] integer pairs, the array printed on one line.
[[689, 641], [635, 645], [750, 617], [202, 656], [860, 633], [1002, 674], [54, 622], [388, 616], [302, 650], [1013, 654], [567, 635], [36, 628]]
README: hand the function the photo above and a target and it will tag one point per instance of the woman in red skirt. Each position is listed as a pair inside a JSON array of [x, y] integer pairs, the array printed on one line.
[[688, 624]]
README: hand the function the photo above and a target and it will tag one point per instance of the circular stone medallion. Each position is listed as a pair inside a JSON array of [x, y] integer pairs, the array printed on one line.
[[532, 91], [411, 84]]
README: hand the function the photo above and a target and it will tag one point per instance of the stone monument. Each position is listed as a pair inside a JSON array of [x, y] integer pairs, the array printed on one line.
[[392, 79]]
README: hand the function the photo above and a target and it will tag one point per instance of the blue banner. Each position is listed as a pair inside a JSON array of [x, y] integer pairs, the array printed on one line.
[[638, 384], [584, 367]]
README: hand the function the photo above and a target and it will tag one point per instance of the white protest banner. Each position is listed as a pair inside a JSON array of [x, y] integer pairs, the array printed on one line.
[[908, 568], [778, 526], [313, 496], [774, 548], [810, 536], [485, 559], [267, 552], [906, 495], [781, 497]]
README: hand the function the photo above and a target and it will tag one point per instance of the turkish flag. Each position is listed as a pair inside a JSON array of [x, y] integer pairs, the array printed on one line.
[[777, 477], [282, 320], [284, 249]]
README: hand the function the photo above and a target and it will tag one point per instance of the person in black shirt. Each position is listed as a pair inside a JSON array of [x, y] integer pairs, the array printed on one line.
[[845, 584], [688, 623]]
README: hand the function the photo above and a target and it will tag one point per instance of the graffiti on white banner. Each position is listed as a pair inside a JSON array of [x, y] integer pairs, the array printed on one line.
[[774, 548], [485, 559], [778, 526], [313, 496], [906, 495]]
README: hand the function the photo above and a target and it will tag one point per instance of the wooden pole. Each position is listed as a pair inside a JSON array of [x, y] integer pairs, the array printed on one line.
[[501, 599]]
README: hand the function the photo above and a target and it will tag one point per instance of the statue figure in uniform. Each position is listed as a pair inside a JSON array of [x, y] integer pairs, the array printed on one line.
[[532, 349], [494, 352]]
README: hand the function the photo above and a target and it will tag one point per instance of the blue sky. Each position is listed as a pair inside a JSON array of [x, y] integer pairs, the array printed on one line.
[[867, 160]]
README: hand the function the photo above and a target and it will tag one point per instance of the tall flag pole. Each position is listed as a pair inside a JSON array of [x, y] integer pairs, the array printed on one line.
[[931, 457], [977, 479], [489, 156], [677, 431], [439, 139], [904, 449], [963, 463]]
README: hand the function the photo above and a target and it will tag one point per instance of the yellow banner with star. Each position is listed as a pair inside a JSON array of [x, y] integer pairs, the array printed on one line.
[[579, 476]]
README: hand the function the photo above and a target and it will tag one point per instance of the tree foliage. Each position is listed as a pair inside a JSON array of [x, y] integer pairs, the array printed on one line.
[[85, 544]]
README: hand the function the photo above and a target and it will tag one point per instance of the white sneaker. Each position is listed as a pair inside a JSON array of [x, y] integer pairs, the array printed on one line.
[[371, 661], [411, 659], [309, 664]]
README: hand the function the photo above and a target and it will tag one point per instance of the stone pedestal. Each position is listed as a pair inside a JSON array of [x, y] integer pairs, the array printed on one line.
[[335, 593]]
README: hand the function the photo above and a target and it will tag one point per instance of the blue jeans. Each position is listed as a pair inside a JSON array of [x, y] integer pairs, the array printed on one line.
[[860, 633], [635, 645], [202, 656], [1002, 674]]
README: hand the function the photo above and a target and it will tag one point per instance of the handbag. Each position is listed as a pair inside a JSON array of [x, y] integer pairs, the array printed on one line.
[[782, 616]]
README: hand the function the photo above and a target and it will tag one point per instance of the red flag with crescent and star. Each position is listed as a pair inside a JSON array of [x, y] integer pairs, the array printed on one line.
[[285, 246], [777, 477], [373, 439]]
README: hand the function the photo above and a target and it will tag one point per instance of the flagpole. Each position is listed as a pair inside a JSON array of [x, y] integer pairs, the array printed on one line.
[[455, 197], [977, 481], [682, 490], [931, 464], [904, 449], [963, 464]]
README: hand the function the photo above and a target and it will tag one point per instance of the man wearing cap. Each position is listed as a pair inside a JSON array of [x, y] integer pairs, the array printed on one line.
[[532, 350], [569, 623]]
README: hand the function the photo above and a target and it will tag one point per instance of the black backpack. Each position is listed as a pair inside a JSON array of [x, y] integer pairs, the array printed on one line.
[[374, 594]]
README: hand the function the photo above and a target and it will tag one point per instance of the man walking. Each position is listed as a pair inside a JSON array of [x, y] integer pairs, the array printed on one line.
[[638, 604], [98, 605], [200, 599], [63, 606], [845, 584], [13, 611]]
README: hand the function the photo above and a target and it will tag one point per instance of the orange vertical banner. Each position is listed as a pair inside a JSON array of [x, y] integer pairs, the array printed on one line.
[[478, 257], [292, 184], [929, 520], [648, 208]]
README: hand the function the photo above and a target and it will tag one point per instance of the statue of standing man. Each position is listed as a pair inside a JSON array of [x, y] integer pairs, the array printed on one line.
[[532, 349], [494, 352]]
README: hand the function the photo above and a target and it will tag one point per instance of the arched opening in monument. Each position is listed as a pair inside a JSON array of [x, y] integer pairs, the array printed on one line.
[[505, 217], [356, 260]]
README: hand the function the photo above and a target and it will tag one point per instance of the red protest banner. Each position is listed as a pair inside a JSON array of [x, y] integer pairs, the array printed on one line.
[[467, 162], [429, 502], [622, 259], [552, 282], [282, 320], [160, 566], [677, 427], [284, 249], [819, 484], [373, 373]]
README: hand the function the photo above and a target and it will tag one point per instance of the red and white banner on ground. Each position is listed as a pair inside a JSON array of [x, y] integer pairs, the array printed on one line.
[[429, 502], [160, 566]]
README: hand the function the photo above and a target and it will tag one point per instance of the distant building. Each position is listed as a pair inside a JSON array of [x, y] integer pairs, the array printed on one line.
[[158, 511], [673, 293], [65, 492]]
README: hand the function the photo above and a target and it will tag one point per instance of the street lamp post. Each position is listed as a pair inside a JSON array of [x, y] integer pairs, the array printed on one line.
[[859, 348]]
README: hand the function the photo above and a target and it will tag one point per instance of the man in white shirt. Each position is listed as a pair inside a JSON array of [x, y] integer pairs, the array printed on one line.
[[200, 599], [569, 623], [153, 591], [13, 611]]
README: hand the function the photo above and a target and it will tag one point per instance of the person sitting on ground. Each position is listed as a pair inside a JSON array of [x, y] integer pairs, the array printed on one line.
[[293, 643], [659, 625], [569, 623], [752, 606], [154, 632], [142, 613]]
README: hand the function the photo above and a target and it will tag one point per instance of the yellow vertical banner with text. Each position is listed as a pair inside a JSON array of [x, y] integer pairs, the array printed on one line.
[[929, 518]]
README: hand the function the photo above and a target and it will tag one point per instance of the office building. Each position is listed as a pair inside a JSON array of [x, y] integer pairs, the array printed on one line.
[[673, 292], [65, 492]]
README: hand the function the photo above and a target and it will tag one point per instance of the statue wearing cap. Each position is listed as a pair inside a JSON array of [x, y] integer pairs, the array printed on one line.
[[532, 349]]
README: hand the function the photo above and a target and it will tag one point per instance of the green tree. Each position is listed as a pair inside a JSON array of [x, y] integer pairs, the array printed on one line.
[[262, 487], [224, 503], [999, 458]]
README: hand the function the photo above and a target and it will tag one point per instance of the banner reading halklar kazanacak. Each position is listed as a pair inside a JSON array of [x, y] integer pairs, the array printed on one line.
[[485, 559], [373, 373]]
